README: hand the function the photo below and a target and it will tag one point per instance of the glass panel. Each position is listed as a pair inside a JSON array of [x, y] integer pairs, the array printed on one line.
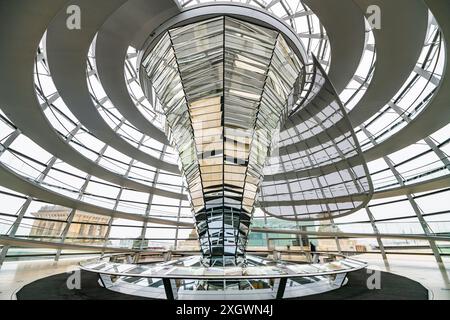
[[225, 86]]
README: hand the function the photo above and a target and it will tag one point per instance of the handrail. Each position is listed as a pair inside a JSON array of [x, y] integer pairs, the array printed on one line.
[[353, 235], [162, 271]]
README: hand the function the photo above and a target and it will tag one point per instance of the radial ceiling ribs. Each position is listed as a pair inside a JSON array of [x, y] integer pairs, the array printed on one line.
[[398, 43], [129, 25], [17, 92], [67, 53], [12, 181], [324, 195]]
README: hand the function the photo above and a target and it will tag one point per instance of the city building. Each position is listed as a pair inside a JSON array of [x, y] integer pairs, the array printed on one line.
[[50, 223], [217, 150]]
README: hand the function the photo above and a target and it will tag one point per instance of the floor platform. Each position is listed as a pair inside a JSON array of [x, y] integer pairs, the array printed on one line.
[[393, 287]]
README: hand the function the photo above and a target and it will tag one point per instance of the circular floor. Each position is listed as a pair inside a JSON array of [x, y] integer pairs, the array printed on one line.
[[393, 287]]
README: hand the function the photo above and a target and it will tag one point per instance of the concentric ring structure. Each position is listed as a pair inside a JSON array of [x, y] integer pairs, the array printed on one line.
[[224, 128]]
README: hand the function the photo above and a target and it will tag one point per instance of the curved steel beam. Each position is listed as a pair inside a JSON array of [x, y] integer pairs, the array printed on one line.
[[341, 235], [12, 181], [425, 186], [17, 93], [67, 53], [345, 26], [344, 22], [399, 44], [241, 11], [129, 25]]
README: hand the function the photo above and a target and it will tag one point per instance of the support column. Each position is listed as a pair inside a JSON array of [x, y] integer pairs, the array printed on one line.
[[279, 288], [380, 242], [423, 223]]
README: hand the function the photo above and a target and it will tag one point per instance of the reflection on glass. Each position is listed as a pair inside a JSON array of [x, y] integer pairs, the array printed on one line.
[[226, 86]]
